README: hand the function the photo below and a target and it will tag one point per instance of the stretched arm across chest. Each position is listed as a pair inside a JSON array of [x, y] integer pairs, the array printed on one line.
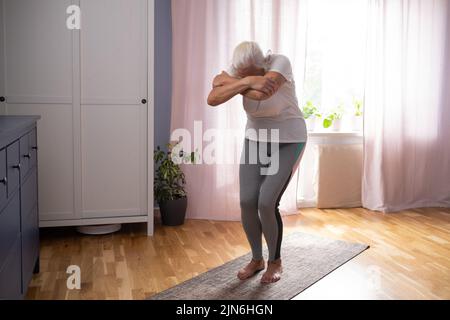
[[257, 88]]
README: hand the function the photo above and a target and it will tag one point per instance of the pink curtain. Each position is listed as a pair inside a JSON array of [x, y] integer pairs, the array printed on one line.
[[407, 108], [205, 33]]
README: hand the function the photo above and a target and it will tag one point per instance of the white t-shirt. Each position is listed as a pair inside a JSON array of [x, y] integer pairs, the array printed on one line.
[[281, 111]]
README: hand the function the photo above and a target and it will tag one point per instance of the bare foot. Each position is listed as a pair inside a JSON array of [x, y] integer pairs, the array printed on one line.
[[273, 272], [251, 269]]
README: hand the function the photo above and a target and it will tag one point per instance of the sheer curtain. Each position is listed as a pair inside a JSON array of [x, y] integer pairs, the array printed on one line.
[[407, 107], [205, 33], [407, 102]]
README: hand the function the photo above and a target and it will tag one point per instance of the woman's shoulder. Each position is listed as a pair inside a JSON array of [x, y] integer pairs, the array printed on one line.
[[281, 64], [279, 58]]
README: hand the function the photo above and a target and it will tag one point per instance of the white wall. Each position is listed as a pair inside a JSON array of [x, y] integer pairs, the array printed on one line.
[[88, 86]]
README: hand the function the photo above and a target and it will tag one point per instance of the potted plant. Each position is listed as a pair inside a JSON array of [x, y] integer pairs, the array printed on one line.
[[334, 119], [311, 113], [169, 184], [357, 115]]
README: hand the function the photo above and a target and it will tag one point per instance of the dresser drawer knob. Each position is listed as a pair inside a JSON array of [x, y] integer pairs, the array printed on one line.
[[34, 148], [17, 166], [27, 156], [4, 181]]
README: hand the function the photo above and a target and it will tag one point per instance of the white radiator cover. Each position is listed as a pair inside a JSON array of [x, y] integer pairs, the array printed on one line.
[[318, 164], [339, 176]]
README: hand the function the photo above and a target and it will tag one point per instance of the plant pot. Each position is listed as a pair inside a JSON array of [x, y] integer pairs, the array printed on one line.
[[173, 212], [311, 123], [337, 125], [357, 123]]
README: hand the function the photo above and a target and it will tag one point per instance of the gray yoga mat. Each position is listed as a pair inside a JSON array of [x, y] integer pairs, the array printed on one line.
[[306, 259]]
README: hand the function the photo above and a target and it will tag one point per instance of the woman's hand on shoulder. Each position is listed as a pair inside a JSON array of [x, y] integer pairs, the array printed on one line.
[[263, 84], [263, 88]]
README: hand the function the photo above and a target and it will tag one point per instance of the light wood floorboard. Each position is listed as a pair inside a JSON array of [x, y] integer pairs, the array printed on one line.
[[409, 256]]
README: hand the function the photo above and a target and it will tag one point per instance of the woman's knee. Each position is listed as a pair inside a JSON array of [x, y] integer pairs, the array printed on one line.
[[266, 204], [248, 202]]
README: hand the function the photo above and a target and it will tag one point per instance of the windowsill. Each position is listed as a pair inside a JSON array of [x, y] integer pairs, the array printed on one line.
[[335, 134]]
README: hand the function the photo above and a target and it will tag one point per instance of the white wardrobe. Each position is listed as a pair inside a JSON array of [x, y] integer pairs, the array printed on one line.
[[93, 88]]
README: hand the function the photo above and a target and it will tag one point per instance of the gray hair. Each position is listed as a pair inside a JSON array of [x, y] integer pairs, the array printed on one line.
[[248, 54]]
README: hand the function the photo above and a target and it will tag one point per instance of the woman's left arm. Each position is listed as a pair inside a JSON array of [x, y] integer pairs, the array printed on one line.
[[224, 79], [278, 79]]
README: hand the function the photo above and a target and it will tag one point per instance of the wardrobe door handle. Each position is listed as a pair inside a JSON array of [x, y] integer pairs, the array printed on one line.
[[4, 181], [17, 166], [34, 148], [27, 156]]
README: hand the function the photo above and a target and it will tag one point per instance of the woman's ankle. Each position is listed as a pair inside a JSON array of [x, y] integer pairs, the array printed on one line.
[[274, 261]]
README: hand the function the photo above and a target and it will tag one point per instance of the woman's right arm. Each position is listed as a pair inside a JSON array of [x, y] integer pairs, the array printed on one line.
[[222, 93], [226, 87]]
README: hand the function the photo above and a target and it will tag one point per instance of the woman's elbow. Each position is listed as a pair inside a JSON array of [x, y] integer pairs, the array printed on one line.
[[212, 101]]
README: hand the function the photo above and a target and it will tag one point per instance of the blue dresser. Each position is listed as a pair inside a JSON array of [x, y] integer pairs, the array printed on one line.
[[19, 220]]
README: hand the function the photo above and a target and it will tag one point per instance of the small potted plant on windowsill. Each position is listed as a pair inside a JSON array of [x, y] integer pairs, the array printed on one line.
[[358, 115], [311, 114], [169, 184], [334, 119]]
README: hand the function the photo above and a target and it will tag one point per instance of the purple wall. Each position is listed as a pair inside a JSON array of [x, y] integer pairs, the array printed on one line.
[[163, 71]]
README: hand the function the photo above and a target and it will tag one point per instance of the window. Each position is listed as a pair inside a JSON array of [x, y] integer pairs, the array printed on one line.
[[334, 67], [325, 41]]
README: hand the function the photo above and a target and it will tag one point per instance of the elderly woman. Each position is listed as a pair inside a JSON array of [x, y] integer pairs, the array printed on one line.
[[276, 128]]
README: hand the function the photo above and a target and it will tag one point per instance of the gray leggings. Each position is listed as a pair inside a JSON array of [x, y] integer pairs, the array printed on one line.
[[261, 193]]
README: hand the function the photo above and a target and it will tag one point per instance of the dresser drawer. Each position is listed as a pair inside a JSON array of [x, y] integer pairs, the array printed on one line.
[[30, 245], [19, 216], [24, 156], [3, 179], [11, 274], [13, 174], [29, 227], [29, 193], [32, 144], [9, 227]]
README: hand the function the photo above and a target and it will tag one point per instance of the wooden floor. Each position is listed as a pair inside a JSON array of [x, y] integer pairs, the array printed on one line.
[[409, 256]]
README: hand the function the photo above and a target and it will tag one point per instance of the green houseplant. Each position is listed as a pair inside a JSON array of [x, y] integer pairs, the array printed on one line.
[[357, 115], [311, 113], [169, 184], [334, 118], [358, 104]]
